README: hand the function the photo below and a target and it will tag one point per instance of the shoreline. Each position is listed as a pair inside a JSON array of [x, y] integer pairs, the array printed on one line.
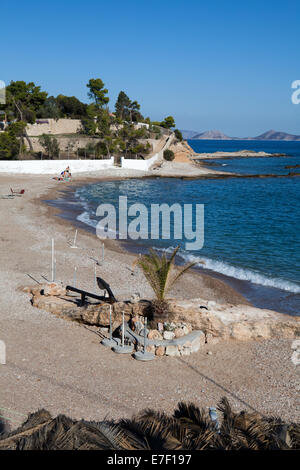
[[61, 212], [258, 295], [60, 365]]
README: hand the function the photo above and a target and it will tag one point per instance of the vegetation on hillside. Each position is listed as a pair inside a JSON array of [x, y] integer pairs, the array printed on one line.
[[116, 132]]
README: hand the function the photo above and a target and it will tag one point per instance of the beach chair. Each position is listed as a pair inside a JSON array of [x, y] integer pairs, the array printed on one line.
[[16, 192]]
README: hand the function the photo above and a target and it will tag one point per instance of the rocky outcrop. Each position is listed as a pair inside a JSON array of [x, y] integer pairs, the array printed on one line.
[[217, 321], [182, 151], [241, 322]]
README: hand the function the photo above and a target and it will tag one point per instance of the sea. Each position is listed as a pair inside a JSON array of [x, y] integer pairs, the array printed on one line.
[[251, 225]]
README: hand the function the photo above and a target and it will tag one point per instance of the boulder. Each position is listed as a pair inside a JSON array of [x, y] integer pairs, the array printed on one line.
[[169, 335], [150, 348], [54, 289], [155, 334], [186, 352], [160, 351], [172, 351], [179, 332]]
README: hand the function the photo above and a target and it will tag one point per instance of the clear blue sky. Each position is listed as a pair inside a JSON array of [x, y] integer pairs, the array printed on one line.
[[224, 65]]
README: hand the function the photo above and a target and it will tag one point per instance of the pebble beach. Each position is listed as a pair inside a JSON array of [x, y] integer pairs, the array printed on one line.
[[61, 366]]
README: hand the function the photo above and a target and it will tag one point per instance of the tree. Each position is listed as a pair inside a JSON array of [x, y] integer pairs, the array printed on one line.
[[23, 101], [178, 135], [126, 109], [122, 104], [161, 275], [159, 271], [11, 144], [97, 93], [130, 140], [50, 144], [50, 109], [71, 107], [134, 111], [168, 122]]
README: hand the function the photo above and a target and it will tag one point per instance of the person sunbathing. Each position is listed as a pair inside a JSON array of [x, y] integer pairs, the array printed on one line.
[[65, 175]]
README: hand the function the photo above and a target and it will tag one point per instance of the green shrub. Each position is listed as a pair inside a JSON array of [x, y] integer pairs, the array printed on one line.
[[169, 155], [178, 134]]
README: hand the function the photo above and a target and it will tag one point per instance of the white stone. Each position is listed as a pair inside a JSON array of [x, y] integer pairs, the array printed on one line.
[[195, 345], [296, 357], [169, 335], [172, 351], [296, 344]]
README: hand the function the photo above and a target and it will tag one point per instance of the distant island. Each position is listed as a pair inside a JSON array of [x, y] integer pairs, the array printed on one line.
[[217, 135]]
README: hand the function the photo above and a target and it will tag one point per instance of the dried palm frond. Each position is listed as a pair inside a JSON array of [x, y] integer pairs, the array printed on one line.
[[189, 428]]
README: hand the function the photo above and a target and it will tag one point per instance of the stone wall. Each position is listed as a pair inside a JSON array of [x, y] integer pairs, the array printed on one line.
[[51, 126]]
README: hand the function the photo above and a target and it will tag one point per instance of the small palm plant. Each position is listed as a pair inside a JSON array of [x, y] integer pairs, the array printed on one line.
[[161, 275]]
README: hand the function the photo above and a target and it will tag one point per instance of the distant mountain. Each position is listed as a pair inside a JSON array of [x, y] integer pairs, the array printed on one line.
[[276, 135], [212, 135], [188, 134], [217, 135]]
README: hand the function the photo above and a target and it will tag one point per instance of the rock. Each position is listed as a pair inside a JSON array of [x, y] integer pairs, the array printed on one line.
[[155, 334], [54, 289], [186, 330], [196, 343], [135, 298], [150, 348], [104, 330], [179, 332], [160, 351], [211, 304], [296, 357], [296, 344], [138, 326], [172, 351], [186, 352], [209, 353], [169, 335]]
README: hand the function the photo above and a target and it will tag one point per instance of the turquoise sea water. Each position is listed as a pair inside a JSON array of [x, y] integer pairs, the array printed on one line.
[[251, 224]]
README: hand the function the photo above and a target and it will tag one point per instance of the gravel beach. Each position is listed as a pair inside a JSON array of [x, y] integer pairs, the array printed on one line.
[[60, 365]]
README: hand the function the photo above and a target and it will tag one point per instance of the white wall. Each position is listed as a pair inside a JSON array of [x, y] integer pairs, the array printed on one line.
[[144, 165], [50, 167]]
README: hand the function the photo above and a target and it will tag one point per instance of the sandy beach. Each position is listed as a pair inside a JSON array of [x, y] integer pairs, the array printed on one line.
[[60, 365]]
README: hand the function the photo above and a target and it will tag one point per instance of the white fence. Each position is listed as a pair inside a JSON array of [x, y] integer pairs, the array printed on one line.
[[49, 167]]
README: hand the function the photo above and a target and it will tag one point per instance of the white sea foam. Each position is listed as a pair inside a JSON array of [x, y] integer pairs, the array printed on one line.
[[85, 218], [243, 274]]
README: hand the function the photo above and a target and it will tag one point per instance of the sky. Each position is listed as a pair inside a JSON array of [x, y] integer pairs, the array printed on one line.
[[225, 65]]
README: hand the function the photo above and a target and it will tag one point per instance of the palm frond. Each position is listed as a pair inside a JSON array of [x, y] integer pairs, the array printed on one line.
[[158, 270]]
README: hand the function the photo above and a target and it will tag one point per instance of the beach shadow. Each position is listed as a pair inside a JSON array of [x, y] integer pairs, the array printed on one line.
[[221, 387]]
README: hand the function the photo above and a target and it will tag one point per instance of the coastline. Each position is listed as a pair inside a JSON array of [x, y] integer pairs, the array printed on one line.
[[244, 291], [60, 365]]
